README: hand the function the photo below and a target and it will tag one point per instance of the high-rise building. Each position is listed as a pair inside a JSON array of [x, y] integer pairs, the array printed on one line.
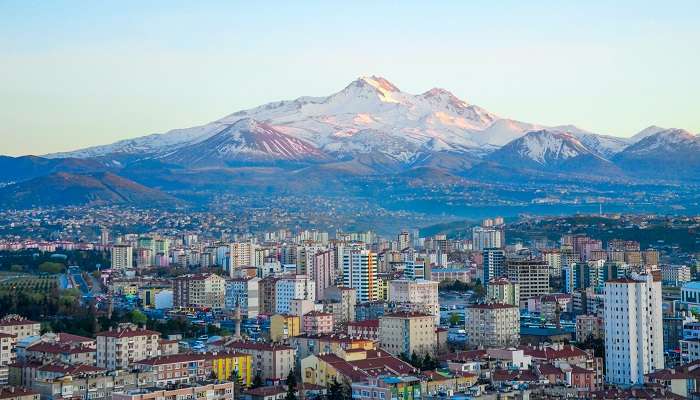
[[199, 290], [531, 275], [553, 258], [360, 273], [404, 240], [492, 325], [293, 287], [494, 263], [243, 293], [323, 271], [241, 254], [122, 256], [633, 328], [487, 237]]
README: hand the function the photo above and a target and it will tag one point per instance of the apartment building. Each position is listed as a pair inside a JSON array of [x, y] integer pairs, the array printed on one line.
[[492, 325], [360, 273], [293, 287], [19, 326], [633, 328], [210, 391], [407, 332], [273, 362], [199, 290], [243, 293], [120, 348], [417, 291], [122, 256], [532, 277]]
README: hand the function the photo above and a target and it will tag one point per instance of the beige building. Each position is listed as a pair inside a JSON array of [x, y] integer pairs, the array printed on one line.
[[284, 326], [200, 290], [273, 362], [417, 291], [406, 332], [19, 326], [501, 290], [119, 348], [492, 325], [531, 275], [18, 393], [212, 391]]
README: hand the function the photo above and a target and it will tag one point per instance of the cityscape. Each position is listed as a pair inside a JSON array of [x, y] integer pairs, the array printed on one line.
[[230, 200]]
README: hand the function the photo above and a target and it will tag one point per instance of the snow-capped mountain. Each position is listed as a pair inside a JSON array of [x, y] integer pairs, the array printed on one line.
[[372, 125], [246, 140], [370, 115], [668, 154], [549, 150], [648, 131]]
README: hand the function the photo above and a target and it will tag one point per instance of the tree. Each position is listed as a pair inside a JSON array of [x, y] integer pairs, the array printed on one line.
[[291, 387], [415, 360], [137, 317], [454, 319], [237, 383], [335, 390], [257, 380], [428, 362]]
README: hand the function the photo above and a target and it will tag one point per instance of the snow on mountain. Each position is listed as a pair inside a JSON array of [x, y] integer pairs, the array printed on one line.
[[369, 116], [646, 132], [552, 151], [603, 145], [668, 154], [665, 141], [246, 140]]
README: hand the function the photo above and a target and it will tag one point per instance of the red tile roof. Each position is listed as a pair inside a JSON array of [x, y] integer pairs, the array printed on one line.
[[122, 333]]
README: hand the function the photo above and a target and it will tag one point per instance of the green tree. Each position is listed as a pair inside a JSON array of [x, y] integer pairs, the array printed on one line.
[[257, 381], [415, 360], [291, 387], [137, 317], [454, 319], [51, 267]]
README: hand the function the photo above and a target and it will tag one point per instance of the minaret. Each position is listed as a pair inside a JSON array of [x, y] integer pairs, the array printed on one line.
[[237, 318]]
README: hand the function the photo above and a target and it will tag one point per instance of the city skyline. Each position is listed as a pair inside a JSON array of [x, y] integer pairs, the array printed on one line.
[[83, 75]]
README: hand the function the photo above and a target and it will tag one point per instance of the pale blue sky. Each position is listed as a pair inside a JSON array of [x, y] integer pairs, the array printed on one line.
[[74, 74]]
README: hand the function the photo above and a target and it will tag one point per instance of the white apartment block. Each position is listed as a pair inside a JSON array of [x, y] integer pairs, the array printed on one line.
[[293, 287], [241, 254], [633, 328]]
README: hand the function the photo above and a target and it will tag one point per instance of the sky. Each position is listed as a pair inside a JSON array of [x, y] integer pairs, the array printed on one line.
[[75, 74]]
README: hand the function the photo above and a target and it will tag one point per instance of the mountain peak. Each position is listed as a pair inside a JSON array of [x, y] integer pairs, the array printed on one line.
[[646, 132], [377, 82]]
